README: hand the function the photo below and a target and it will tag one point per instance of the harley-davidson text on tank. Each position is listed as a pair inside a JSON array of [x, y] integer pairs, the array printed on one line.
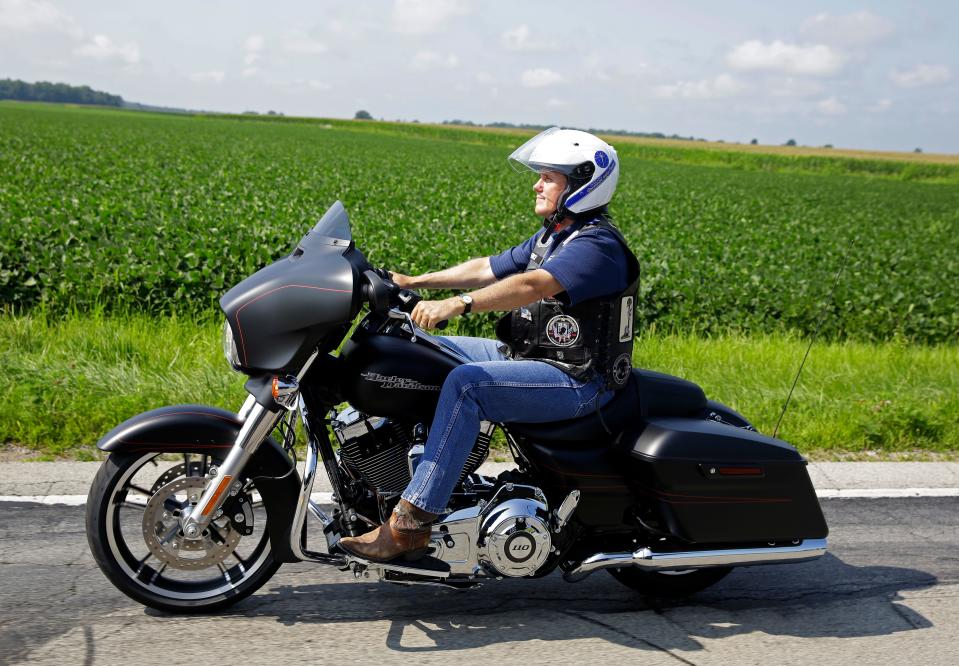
[[394, 382]]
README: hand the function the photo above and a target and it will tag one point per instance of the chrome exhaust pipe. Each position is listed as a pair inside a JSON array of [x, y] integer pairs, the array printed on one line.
[[648, 560]]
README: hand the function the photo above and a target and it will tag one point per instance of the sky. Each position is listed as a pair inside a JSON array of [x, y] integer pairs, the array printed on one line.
[[870, 75]]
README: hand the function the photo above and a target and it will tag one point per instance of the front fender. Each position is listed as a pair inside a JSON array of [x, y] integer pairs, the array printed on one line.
[[210, 430]]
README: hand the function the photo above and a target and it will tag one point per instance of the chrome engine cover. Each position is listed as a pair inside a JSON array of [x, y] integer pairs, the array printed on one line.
[[509, 536], [517, 540]]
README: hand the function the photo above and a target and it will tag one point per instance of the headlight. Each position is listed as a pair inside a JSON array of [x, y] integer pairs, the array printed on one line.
[[229, 347]]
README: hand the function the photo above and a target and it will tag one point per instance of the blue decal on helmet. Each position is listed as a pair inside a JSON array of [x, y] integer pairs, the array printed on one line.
[[577, 196], [601, 158]]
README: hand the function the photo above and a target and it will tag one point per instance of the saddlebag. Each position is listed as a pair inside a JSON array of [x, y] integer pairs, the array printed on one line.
[[708, 482]]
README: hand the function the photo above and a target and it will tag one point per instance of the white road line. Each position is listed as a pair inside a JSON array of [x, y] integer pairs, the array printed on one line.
[[327, 498], [80, 500], [878, 493]]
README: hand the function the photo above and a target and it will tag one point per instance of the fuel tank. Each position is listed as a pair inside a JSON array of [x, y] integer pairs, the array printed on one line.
[[393, 377]]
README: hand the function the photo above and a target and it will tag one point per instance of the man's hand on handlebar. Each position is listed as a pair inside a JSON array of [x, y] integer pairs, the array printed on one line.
[[430, 314], [400, 280]]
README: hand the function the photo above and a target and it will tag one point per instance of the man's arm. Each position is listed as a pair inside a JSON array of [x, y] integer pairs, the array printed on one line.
[[470, 274], [506, 294]]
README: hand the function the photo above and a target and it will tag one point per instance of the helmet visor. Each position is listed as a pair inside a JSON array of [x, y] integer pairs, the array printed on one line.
[[520, 158]]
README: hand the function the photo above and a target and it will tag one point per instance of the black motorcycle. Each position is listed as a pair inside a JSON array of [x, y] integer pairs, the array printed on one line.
[[196, 507]]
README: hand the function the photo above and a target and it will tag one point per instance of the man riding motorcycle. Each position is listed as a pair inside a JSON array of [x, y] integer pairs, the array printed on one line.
[[570, 290]]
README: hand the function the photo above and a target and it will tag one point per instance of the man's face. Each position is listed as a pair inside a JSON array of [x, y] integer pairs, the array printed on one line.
[[549, 188]]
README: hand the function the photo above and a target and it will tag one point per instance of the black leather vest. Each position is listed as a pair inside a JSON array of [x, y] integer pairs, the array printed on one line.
[[591, 338]]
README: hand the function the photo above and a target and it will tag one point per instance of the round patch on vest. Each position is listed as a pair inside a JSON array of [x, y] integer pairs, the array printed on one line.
[[562, 331], [621, 367]]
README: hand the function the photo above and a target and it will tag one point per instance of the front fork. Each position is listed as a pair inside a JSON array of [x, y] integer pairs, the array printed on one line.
[[258, 423]]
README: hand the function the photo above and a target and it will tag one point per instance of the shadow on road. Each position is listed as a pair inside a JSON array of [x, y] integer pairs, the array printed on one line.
[[827, 598]]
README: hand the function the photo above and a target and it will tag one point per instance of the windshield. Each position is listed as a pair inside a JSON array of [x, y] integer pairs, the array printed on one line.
[[335, 223]]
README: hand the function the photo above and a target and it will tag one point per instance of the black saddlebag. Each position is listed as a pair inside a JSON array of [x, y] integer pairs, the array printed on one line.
[[707, 482]]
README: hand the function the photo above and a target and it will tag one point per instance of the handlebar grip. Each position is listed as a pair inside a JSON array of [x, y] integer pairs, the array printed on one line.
[[443, 324]]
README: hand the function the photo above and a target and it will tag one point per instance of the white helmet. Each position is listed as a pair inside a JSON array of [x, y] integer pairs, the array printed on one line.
[[590, 165]]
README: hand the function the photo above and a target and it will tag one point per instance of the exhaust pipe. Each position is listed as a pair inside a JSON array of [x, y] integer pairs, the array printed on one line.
[[648, 560]]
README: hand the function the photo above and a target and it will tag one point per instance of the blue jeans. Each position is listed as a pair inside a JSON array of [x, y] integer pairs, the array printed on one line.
[[490, 388]]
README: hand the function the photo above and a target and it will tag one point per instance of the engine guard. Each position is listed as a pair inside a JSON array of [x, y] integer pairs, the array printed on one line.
[[203, 429]]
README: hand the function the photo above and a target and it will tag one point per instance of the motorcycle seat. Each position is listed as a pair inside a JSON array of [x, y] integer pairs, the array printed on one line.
[[647, 393]]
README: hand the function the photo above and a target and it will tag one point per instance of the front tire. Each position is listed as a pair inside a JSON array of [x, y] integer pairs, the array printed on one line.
[[669, 585], [158, 568]]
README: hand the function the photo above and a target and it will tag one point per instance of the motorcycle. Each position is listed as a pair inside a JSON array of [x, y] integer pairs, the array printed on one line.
[[196, 507]]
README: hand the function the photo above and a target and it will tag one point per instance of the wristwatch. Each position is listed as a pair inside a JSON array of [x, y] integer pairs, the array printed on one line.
[[467, 301]]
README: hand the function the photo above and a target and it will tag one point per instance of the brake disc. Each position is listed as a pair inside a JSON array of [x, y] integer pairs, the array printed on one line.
[[196, 469], [165, 539]]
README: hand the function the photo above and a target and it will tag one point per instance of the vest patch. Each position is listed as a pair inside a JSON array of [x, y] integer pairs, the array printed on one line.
[[626, 319], [621, 368], [562, 331]]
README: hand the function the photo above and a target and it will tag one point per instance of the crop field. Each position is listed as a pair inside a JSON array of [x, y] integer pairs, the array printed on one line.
[[137, 212], [120, 230]]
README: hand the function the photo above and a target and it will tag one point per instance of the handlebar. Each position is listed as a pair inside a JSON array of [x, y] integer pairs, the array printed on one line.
[[384, 295]]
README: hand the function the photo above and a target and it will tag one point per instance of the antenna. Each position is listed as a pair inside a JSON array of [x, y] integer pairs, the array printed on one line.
[[815, 334]]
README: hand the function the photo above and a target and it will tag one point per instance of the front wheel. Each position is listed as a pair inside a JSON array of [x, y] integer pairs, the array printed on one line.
[[133, 529], [669, 584]]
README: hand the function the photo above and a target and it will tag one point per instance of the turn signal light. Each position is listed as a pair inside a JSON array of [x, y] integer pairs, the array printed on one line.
[[285, 390]]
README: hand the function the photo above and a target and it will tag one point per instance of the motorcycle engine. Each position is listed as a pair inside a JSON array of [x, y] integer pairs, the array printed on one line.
[[516, 537], [378, 449]]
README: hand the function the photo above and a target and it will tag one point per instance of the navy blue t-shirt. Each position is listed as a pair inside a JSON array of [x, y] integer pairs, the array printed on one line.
[[587, 260]]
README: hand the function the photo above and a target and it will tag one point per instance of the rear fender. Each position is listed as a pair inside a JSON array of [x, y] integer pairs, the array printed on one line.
[[210, 430]]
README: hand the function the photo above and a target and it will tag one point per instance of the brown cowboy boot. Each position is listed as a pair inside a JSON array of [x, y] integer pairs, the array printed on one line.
[[407, 533]]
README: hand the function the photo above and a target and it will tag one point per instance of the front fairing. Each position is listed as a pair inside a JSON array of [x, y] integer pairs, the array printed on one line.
[[284, 311]]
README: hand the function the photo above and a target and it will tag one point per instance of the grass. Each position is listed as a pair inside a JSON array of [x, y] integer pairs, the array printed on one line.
[[66, 381]]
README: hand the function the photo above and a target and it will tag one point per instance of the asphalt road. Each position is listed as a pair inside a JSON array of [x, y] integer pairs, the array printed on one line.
[[888, 592]]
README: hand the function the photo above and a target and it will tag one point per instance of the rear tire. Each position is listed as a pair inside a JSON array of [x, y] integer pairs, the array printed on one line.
[[111, 519], [669, 585]]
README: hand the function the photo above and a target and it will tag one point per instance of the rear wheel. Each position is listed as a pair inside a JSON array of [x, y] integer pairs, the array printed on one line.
[[669, 584], [134, 533]]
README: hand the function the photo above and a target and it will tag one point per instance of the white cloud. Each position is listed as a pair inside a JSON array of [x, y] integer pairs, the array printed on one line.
[[518, 39], [485, 78], [427, 60], [212, 76], [814, 60], [101, 47], [858, 29], [299, 86], [723, 85], [253, 46], [303, 45], [793, 87], [921, 75], [880, 106], [831, 107], [540, 78], [35, 16], [420, 17], [250, 71], [555, 103]]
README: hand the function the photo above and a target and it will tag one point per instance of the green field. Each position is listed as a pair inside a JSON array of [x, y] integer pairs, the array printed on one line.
[[119, 230], [140, 212]]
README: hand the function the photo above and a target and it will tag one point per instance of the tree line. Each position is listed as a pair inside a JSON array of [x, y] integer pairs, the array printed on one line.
[[44, 91]]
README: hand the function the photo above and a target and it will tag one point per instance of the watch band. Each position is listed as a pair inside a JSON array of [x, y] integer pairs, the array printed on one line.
[[467, 302]]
